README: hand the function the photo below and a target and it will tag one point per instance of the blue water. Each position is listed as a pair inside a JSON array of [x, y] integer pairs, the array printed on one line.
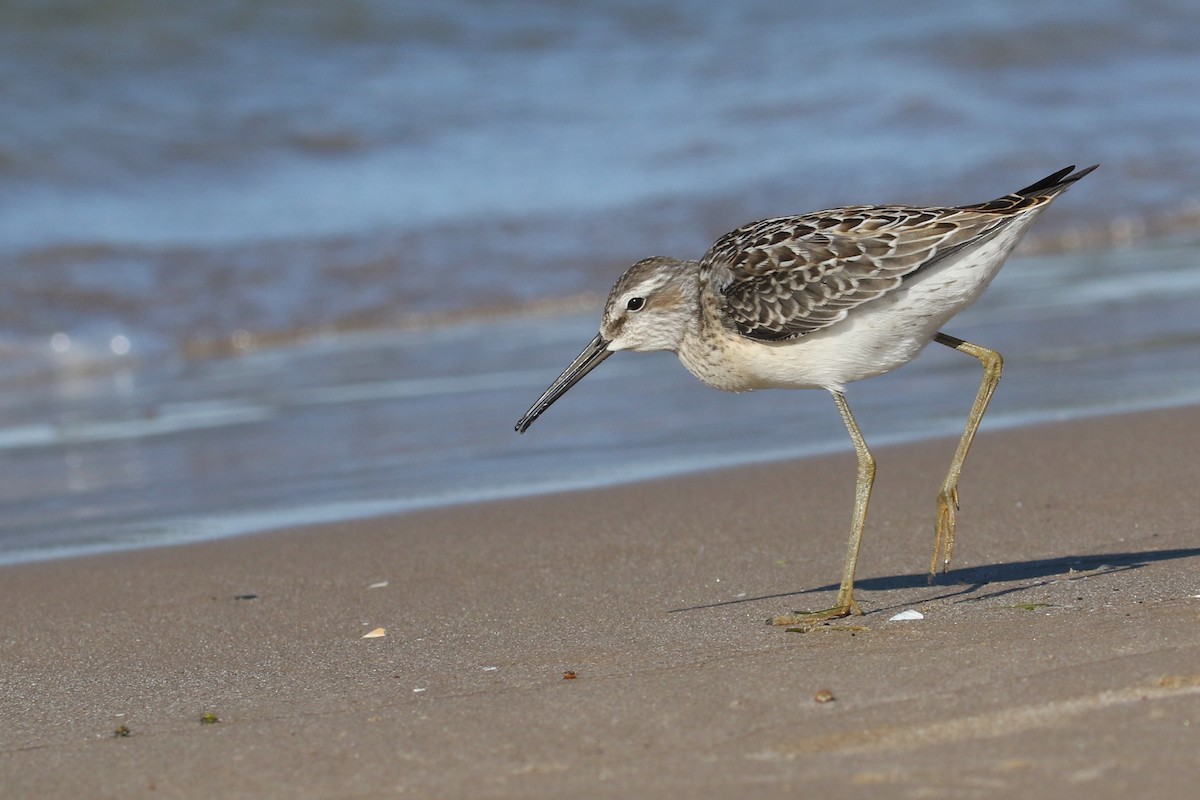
[[273, 262], [366, 424]]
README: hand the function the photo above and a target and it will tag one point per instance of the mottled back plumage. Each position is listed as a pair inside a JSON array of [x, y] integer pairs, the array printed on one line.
[[786, 277]]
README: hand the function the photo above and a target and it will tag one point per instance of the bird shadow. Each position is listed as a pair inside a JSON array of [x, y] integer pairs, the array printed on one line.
[[971, 583]]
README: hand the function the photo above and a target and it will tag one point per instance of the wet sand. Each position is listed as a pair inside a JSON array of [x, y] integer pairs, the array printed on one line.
[[1060, 654]]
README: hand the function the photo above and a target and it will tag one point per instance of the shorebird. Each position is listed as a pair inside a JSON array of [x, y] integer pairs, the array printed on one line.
[[818, 301]]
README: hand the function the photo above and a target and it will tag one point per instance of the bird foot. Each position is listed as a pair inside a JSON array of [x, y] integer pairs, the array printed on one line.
[[813, 617], [947, 522]]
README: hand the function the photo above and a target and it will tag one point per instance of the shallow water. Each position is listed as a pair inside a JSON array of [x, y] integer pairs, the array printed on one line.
[[274, 262], [170, 451], [189, 174]]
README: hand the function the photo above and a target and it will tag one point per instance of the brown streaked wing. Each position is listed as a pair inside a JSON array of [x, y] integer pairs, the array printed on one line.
[[787, 277]]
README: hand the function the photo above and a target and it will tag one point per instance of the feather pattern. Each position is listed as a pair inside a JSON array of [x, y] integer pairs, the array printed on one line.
[[786, 277]]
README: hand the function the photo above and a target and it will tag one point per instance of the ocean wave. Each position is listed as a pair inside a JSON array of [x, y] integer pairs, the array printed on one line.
[[201, 179]]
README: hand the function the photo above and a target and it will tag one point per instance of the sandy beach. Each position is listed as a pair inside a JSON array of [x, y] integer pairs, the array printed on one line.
[[611, 643]]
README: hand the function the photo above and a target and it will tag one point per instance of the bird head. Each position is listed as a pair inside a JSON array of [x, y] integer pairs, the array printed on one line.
[[650, 307]]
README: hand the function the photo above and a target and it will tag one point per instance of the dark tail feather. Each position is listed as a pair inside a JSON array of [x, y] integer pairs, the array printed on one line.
[[1055, 183]]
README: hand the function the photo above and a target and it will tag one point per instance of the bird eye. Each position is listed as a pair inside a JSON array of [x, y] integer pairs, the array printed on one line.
[[635, 303]]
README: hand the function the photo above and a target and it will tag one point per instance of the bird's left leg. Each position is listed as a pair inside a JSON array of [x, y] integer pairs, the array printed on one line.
[[845, 604], [993, 364]]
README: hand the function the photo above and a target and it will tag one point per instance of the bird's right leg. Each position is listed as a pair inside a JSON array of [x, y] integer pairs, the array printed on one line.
[[993, 366], [845, 604]]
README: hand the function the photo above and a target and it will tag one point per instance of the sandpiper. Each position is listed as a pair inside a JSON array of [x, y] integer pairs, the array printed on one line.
[[818, 301]]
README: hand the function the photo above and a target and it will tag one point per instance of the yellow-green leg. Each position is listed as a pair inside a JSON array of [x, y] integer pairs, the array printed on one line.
[[845, 605], [947, 501]]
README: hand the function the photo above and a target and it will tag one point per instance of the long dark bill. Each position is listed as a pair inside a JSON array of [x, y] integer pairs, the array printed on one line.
[[584, 363]]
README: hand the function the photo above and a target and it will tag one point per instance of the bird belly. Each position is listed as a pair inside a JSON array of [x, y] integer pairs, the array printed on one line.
[[852, 350]]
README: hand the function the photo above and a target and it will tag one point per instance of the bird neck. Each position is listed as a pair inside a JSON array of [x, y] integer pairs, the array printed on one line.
[[688, 317]]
